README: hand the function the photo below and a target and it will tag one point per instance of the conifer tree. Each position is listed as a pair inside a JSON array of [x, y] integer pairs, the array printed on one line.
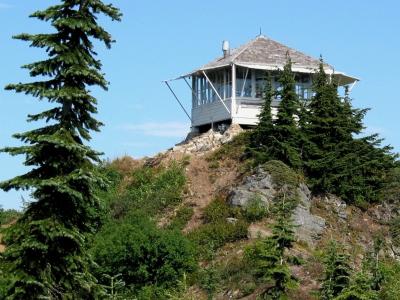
[[336, 160], [337, 272], [261, 137], [46, 248], [358, 289], [271, 260], [286, 146], [329, 123], [372, 264]]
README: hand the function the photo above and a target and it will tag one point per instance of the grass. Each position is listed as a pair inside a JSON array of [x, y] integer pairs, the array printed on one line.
[[232, 150], [151, 190]]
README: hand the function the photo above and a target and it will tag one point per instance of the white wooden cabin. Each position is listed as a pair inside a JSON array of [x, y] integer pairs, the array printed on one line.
[[229, 89]]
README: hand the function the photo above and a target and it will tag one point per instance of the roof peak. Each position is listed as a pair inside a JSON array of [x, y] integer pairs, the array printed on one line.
[[264, 51], [261, 36]]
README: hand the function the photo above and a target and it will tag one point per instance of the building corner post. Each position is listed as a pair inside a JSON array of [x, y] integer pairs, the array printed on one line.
[[233, 94]]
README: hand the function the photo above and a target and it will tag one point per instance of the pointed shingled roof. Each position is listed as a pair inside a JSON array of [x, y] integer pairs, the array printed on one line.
[[265, 53]]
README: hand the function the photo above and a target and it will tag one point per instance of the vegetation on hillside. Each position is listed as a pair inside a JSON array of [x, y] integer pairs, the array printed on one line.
[[119, 230]]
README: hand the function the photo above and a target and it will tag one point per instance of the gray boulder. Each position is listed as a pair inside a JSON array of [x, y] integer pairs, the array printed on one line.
[[309, 227]]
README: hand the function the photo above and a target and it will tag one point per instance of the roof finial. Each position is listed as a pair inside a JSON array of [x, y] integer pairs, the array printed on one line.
[[260, 35]]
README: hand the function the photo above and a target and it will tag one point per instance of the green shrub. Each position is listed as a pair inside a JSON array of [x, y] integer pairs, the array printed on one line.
[[212, 236], [142, 253], [255, 210], [209, 280], [182, 217], [282, 174], [151, 292], [218, 210], [390, 289]]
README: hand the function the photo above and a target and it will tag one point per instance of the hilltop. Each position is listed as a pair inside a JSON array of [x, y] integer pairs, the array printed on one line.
[[204, 193]]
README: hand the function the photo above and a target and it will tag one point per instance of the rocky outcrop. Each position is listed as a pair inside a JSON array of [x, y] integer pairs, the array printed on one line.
[[259, 184], [209, 141], [309, 227]]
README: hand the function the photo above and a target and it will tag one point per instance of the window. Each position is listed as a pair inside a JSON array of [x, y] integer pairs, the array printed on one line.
[[204, 93], [243, 82], [261, 79]]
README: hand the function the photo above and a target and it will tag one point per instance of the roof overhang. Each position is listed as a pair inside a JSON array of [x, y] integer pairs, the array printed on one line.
[[340, 77]]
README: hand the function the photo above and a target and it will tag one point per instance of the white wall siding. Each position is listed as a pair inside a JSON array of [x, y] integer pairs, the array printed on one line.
[[245, 112], [211, 112], [248, 111]]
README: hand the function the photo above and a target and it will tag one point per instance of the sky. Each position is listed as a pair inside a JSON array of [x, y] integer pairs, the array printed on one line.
[[159, 40]]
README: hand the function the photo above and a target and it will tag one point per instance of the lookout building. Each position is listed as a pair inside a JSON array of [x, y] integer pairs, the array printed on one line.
[[229, 89]]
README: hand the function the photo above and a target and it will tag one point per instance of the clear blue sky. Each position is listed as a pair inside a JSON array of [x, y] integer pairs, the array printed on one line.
[[160, 39]]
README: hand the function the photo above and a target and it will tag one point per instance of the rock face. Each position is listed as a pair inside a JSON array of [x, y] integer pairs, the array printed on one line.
[[209, 141], [259, 184], [309, 226]]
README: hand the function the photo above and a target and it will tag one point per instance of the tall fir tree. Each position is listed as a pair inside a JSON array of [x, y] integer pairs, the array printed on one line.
[[262, 135], [287, 135], [329, 122], [46, 248], [336, 160], [337, 272]]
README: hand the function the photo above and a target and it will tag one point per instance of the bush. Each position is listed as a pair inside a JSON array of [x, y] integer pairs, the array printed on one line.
[[212, 236], [218, 210], [209, 280], [255, 209], [182, 217], [282, 174], [391, 286], [218, 231], [142, 253]]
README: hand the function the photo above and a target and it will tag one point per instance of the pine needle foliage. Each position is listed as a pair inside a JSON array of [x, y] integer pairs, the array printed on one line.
[[330, 122], [358, 289], [46, 248], [336, 159], [337, 272], [271, 264], [286, 143], [270, 259]]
